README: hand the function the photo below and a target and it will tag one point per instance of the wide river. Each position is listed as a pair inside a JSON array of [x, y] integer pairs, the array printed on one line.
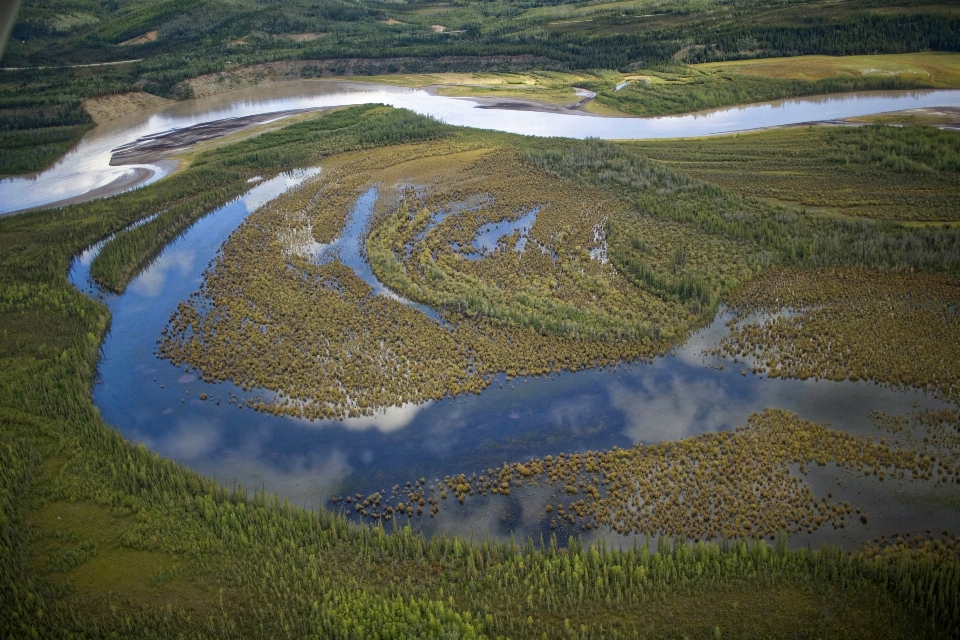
[[151, 401], [86, 172]]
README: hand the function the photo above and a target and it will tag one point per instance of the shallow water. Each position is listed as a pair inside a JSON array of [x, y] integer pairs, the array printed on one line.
[[348, 248], [490, 235], [151, 401], [87, 168]]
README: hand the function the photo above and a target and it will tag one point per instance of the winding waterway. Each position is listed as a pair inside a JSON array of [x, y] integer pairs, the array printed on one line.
[[85, 172], [151, 401]]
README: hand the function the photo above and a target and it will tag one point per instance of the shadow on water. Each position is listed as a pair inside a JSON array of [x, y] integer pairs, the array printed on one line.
[[677, 396]]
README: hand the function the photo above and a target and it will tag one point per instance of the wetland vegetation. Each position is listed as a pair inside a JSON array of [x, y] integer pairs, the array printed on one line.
[[731, 484], [544, 299], [897, 329], [826, 245]]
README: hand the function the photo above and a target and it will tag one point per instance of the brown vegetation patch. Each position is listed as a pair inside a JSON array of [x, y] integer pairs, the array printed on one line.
[[270, 315], [733, 483], [149, 36], [897, 328], [105, 108]]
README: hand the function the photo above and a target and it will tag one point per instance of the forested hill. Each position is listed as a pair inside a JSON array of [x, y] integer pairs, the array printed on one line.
[[169, 41], [199, 36]]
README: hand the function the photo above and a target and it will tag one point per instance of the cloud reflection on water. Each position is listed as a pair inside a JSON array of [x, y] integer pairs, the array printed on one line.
[[670, 408], [176, 262], [388, 420]]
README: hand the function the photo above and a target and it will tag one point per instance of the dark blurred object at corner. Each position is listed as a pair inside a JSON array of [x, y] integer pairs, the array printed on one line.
[[8, 13]]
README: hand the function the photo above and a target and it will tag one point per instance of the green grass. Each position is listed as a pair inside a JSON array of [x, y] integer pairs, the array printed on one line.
[[677, 88], [880, 172], [145, 548]]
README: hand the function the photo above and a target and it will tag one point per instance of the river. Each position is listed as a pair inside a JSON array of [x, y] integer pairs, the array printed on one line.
[[85, 171]]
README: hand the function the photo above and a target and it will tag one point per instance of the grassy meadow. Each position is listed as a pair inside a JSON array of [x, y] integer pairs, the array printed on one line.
[[902, 174]]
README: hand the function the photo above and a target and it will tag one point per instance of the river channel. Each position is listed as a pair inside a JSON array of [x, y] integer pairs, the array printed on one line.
[[683, 394], [85, 172]]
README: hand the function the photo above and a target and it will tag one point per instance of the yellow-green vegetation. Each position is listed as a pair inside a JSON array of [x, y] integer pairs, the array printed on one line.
[[553, 87], [679, 88], [936, 434], [555, 277], [895, 328], [215, 178], [537, 301], [936, 548], [941, 69], [881, 172], [733, 483], [931, 117]]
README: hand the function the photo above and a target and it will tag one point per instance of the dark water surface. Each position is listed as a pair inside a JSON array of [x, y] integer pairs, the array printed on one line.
[[151, 401]]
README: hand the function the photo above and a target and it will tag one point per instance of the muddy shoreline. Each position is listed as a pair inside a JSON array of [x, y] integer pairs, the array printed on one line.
[[159, 146], [522, 104]]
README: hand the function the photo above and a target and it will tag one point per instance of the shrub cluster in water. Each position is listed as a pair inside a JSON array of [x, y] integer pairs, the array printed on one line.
[[271, 315], [732, 483], [899, 329]]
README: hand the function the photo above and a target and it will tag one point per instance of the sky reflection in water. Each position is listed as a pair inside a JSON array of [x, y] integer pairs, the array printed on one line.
[[307, 462]]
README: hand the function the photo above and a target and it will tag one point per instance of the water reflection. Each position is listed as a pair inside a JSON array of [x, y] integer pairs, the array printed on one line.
[[176, 262], [349, 250], [85, 172], [154, 402], [490, 235]]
